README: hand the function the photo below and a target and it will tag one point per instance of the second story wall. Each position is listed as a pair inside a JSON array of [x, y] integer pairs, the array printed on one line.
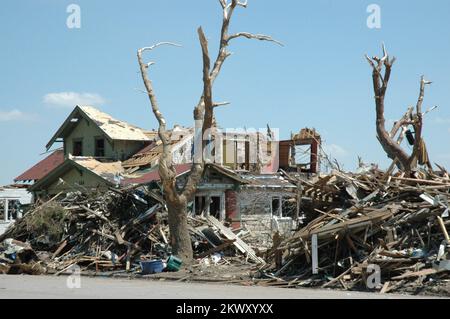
[[122, 150], [87, 135], [87, 139]]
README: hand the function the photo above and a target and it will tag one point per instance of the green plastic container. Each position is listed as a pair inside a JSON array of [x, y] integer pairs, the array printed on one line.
[[173, 263]]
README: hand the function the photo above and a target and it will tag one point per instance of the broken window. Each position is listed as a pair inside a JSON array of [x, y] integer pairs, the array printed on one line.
[[301, 152], [214, 206], [289, 207], [227, 154], [301, 156], [9, 210], [13, 209], [209, 205], [284, 206], [236, 152], [2, 210], [276, 206], [99, 147], [77, 147]]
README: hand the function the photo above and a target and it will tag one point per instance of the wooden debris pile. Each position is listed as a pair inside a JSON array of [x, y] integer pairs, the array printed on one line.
[[101, 231], [107, 232], [368, 230]]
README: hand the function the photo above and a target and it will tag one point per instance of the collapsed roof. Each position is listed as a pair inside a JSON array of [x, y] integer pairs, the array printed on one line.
[[150, 154], [107, 172]]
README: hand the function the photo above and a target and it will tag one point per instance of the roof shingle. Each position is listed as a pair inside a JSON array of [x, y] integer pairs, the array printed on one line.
[[43, 167]]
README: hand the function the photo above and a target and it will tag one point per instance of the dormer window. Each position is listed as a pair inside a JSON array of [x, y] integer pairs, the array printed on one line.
[[77, 147], [99, 147]]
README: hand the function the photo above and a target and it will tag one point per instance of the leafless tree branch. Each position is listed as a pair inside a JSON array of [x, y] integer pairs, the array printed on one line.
[[216, 104], [166, 169], [149, 85], [260, 37], [203, 113], [390, 145]]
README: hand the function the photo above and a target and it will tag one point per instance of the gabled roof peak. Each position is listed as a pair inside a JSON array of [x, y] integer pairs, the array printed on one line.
[[114, 129]]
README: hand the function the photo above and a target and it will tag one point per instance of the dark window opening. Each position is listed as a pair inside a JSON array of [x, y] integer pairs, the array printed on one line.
[[200, 205], [99, 147], [2, 210], [269, 148], [276, 206], [246, 165], [301, 156], [289, 207], [9, 209], [77, 148], [214, 207], [13, 209]]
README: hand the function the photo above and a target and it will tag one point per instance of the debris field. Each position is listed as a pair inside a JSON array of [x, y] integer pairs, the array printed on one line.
[[370, 230]]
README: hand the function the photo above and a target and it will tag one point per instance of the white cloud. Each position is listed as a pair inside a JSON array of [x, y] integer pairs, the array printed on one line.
[[71, 99], [335, 150], [15, 115]]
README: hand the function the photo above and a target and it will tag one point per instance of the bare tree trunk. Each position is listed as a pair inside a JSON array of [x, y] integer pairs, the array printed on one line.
[[177, 200], [180, 239], [390, 145]]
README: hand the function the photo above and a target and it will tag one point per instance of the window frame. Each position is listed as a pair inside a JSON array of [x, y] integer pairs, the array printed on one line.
[[97, 149], [74, 142]]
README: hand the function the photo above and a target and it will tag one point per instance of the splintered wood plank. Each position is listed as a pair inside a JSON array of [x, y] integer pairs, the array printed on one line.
[[444, 230], [241, 245], [385, 288], [60, 248], [424, 272]]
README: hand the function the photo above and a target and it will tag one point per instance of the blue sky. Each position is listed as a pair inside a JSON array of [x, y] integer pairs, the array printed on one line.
[[318, 79]]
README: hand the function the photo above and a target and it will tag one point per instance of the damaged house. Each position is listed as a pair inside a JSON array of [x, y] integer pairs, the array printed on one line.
[[12, 200], [100, 152], [182, 140], [301, 152], [245, 150], [260, 203], [41, 169], [241, 186], [94, 144]]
